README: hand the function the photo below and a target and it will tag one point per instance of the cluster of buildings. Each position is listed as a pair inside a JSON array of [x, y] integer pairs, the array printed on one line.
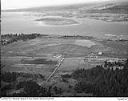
[[112, 63]]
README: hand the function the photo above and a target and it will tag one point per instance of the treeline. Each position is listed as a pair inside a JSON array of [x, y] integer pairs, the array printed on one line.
[[102, 82], [10, 38], [77, 36]]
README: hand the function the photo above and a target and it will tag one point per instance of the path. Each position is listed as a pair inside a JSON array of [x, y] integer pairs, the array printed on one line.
[[51, 75]]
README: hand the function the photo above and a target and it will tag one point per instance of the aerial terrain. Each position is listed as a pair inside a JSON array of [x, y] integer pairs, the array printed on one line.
[[74, 50]]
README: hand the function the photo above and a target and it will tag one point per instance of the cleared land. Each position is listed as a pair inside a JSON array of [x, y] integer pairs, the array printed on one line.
[[40, 55]]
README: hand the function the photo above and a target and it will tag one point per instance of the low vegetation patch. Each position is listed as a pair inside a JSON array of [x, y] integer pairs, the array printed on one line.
[[40, 61], [12, 76]]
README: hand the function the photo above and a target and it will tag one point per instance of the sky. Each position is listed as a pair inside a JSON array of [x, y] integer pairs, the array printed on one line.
[[17, 4]]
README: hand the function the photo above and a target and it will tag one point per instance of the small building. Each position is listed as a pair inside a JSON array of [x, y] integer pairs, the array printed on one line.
[[100, 53]]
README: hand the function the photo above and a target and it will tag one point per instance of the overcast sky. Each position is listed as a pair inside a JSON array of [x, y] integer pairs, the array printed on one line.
[[15, 4]]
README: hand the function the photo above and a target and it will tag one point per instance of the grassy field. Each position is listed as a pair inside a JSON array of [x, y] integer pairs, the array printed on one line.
[[37, 55]]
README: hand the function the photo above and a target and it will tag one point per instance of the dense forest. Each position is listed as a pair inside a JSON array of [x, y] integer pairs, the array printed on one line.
[[96, 81], [102, 82]]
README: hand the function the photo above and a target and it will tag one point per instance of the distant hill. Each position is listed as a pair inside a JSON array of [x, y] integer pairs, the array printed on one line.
[[120, 7]]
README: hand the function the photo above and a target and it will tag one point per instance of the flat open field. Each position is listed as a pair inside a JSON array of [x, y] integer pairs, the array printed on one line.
[[40, 55]]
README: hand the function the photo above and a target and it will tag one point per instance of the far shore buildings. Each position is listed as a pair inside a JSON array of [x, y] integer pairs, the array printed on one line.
[[99, 59]]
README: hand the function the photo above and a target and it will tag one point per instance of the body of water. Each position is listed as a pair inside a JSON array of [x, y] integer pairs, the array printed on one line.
[[17, 22]]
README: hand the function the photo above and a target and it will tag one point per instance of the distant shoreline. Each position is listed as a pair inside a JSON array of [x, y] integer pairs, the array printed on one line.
[[10, 38]]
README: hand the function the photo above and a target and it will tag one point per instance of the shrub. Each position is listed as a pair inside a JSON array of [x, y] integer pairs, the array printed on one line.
[[31, 88]]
